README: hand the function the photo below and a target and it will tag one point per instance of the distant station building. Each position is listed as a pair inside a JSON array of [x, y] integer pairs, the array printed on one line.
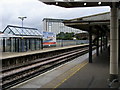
[[20, 39], [57, 26]]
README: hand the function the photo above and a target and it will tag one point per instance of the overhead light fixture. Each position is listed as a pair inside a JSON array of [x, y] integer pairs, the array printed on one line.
[[56, 3], [59, 0], [99, 3], [85, 4]]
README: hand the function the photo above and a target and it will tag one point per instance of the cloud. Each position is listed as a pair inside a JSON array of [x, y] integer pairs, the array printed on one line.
[[35, 11]]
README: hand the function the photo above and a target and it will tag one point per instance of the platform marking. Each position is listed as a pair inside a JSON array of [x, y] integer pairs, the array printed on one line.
[[79, 67]]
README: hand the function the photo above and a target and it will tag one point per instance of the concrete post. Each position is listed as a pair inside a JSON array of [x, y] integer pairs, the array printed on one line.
[[119, 43], [114, 42], [90, 45]]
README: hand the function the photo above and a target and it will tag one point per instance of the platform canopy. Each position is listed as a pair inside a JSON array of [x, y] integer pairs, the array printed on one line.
[[80, 3], [97, 21]]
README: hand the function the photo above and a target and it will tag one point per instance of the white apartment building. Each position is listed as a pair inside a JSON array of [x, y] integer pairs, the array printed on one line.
[[56, 26]]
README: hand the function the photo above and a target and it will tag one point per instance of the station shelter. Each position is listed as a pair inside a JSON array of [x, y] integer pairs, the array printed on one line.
[[20, 39]]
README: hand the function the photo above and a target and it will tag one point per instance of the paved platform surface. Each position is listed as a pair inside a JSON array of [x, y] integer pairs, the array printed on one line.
[[93, 75]]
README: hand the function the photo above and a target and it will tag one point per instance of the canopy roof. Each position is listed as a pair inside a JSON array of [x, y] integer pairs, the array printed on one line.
[[21, 31], [79, 3], [83, 23], [98, 22]]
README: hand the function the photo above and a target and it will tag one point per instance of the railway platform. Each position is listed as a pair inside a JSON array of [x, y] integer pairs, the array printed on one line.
[[77, 73], [6, 55], [16, 59]]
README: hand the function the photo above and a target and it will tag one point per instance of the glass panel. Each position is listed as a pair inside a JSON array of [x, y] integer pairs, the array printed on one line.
[[20, 45], [38, 33], [7, 44], [37, 44], [7, 30], [27, 44], [14, 30], [25, 32], [1, 44], [21, 31], [17, 45], [33, 32], [24, 43], [40, 42], [11, 32], [24, 46], [12, 44], [28, 32], [32, 44]]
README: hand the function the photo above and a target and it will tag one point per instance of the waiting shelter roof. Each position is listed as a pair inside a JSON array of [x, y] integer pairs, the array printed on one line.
[[21, 31], [4, 35]]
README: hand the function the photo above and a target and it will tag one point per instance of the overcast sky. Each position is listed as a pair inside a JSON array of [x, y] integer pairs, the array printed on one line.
[[35, 11]]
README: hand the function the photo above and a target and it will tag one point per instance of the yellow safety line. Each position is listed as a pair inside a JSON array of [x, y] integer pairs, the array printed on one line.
[[81, 66]]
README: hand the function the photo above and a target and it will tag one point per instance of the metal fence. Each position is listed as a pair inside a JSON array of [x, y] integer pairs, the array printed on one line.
[[62, 43]]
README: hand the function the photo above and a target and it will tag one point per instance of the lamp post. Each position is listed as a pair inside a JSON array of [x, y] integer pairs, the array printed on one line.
[[22, 18]]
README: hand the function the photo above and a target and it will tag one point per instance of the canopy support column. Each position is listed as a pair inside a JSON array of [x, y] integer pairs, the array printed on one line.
[[106, 41], [114, 42], [90, 44], [101, 42], [97, 43]]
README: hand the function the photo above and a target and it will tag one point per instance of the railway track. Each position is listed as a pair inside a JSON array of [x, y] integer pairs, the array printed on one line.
[[13, 76]]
